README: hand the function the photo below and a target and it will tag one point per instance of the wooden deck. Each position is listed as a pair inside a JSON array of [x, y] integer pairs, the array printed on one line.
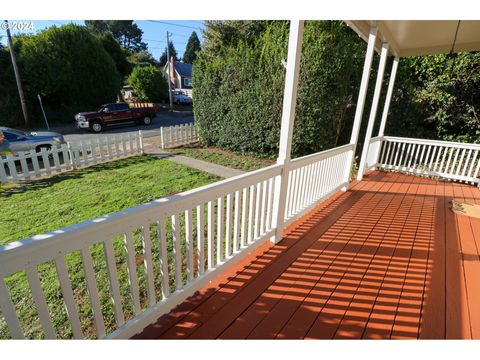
[[386, 260]]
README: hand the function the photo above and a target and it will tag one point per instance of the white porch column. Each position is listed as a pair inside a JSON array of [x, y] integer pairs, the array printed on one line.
[[388, 99], [288, 117], [386, 107], [373, 111], [361, 102]]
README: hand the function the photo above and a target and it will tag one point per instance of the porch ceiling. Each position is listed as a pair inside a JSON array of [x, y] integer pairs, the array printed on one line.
[[422, 37]]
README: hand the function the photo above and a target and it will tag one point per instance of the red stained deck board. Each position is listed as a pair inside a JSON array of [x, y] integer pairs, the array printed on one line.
[[471, 263], [266, 316], [457, 316], [387, 259], [354, 322], [363, 251], [434, 300]]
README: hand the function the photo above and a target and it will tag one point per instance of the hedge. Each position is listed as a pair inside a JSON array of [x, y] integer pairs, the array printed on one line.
[[238, 94], [68, 66]]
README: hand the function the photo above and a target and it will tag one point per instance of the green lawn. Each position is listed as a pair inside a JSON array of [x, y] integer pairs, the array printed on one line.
[[69, 198], [50, 204], [224, 157]]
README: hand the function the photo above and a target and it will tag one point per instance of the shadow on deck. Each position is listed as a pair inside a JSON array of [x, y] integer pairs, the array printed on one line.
[[387, 259]]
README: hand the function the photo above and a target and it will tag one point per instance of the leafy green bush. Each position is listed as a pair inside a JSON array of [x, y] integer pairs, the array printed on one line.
[[438, 97], [239, 90], [118, 54], [148, 83], [67, 65]]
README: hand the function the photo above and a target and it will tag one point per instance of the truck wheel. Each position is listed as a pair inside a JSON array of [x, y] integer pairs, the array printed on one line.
[[147, 120], [96, 126]]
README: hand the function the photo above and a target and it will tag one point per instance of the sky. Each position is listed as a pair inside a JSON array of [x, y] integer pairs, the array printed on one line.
[[154, 32]]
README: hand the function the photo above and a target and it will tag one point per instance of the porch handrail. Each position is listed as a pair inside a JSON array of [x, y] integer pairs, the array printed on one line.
[[16, 255], [315, 177], [444, 159], [207, 227], [433, 142], [308, 159]]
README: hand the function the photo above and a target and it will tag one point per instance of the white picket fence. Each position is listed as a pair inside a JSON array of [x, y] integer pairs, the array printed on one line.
[[185, 241], [444, 159], [33, 165], [178, 135]]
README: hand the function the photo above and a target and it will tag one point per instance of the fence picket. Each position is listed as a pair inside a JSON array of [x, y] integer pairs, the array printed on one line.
[[256, 231], [467, 161], [132, 272], [173, 136], [251, 214], [243, 239], [220, 230], [228, 225], [177, 251], [148, 264], [189, 244], [93, 148], [162, 238], [113, 279], [93, 292], [40, 303], [200, 240], [3, 174], [46, 161], [210, 235], [268, 221], [9, 313], [460, 162], [68, 299], [472, 163], [56, 160], [236, 221], [23, 165]]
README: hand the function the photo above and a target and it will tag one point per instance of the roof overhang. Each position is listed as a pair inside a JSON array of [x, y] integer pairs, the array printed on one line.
[[422, 37]]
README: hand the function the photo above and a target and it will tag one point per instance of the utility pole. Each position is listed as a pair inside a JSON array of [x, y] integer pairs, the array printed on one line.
[[17, 75], [169, 78]]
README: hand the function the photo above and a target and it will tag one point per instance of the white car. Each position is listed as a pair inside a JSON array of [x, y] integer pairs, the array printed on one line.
[[179, 97]]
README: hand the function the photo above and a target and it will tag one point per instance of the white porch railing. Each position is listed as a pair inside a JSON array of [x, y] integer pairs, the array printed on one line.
[[178, 135], [313, 178], [445, 159], [185, 241], [33, 165]]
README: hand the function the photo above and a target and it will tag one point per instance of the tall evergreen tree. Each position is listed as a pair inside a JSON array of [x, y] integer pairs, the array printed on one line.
[[193, 45], [173, 54], [128, 34]]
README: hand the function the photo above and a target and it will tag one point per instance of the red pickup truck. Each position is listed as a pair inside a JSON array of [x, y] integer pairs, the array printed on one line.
[[115, 114]]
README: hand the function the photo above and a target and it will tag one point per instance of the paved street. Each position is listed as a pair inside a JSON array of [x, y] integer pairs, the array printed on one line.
[[162, 119]]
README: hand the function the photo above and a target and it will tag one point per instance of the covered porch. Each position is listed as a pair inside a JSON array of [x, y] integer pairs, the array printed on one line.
[[387, 259], [293, 250], [382, 258]]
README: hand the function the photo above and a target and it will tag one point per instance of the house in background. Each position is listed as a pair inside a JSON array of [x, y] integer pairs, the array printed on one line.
[[180, 76]]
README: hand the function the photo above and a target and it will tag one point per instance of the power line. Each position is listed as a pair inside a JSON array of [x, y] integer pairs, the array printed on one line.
[[164, 41], [56, 22], [172, 24], [185, 36]]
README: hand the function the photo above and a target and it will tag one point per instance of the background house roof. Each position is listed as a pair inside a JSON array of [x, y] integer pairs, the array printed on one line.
[[183, 69], [422, 37]]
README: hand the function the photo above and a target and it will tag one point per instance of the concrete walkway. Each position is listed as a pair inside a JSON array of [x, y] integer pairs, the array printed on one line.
[[218, 170]]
